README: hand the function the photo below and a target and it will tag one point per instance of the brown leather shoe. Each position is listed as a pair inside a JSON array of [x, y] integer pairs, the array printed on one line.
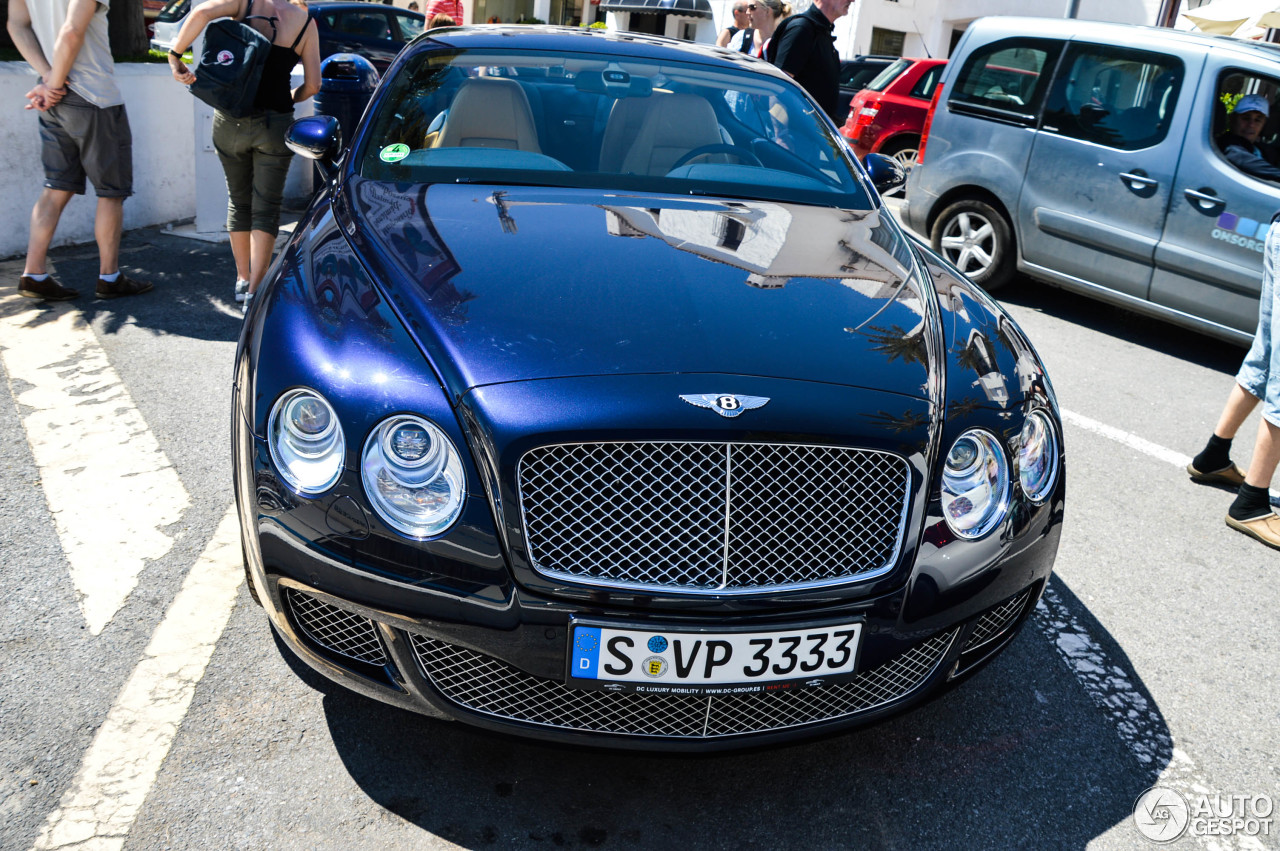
[[49, 289], [1229, 475], [1265, 528], [123, 285]]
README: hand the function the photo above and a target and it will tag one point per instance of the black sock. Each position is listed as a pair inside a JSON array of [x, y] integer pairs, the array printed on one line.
[[1250, 503], [1215, 455]]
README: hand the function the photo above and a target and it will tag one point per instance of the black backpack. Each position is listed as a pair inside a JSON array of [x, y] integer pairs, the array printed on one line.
[[231, 63]]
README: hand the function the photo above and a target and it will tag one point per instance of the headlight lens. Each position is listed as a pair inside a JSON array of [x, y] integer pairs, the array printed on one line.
[[306, 441], [975, 484], [413, 476], [1037, 457]]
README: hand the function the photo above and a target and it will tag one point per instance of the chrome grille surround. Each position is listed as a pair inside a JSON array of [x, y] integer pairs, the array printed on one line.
[[339, 631], [995, 621], [713, 517], [489, 686]]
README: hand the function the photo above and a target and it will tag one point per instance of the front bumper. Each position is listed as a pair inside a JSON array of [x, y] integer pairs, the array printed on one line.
[[441, 662]]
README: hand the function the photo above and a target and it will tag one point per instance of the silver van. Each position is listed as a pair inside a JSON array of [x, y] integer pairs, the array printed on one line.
[[1090, 161]]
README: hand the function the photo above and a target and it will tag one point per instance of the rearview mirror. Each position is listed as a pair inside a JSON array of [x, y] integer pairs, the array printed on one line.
[[886, 173], [316, 137]]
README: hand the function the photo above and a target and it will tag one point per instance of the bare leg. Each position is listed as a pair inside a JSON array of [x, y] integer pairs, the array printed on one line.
[[240, 251], [44, 221], [264, 245], [1266, 455], [108, 226], [1239, 405]]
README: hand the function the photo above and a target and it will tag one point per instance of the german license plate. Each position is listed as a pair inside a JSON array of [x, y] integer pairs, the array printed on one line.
[[679, 662]]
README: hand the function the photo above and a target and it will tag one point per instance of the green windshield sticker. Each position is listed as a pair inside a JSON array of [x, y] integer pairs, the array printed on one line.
[[394, 153]]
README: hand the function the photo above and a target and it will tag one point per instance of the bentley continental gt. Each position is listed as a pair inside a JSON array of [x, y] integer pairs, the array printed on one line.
[[597, 398]]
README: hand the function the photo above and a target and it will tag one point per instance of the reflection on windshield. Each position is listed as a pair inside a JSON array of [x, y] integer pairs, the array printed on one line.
[[605, 122]]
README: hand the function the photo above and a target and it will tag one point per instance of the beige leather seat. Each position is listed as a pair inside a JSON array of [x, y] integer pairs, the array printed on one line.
[[624, 123], [489, 112], [673, 126]]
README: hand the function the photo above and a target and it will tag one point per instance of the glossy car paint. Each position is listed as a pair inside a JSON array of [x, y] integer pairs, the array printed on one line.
[[380, 48], [899, 119], [515, 317]]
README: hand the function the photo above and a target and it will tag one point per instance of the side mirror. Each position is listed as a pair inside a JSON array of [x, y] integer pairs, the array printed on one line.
[[316, 137], [886, 173]]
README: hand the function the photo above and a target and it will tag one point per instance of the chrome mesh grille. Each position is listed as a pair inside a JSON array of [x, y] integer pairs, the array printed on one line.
[[711, 516], [340, 631], [487, 685], [997, 620]]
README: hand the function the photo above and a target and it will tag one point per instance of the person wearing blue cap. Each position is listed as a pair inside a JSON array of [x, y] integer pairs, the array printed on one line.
[[1240, 143]]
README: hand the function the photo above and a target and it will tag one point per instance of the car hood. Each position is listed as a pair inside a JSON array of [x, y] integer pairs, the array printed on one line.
[[523, 283]]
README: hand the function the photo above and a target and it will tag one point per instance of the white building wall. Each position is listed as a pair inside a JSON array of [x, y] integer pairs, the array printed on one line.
[[162, 119]]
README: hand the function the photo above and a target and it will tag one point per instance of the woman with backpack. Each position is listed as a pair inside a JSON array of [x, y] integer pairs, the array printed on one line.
[[251, 147]]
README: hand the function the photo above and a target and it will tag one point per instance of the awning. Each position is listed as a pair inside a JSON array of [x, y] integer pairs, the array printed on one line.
[[689, 8]]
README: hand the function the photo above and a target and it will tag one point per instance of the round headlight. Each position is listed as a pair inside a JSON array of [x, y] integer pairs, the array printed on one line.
[[975, 484], [1037, 457], [306, 441], [413, 476]]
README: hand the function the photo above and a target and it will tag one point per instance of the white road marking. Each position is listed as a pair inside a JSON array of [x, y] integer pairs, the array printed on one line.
[[1144, 446], [122, 763], [110, 488]]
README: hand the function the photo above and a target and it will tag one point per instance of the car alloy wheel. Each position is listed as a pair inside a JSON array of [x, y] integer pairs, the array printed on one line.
[[977, 240]]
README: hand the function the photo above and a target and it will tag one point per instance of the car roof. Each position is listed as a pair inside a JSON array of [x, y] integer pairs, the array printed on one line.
[[1088, 30], [579, 40], [315, 6]]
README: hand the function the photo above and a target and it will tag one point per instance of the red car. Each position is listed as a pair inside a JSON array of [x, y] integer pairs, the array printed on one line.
[[888, 115]]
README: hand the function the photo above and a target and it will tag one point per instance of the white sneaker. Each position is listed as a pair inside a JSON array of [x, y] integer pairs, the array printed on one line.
[[248, 297], [242, 289]]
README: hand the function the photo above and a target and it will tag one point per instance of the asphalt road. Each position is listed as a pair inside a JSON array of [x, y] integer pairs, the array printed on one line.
[[1153, 660]]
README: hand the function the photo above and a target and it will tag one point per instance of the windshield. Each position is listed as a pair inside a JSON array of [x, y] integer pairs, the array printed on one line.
[[593, 120]]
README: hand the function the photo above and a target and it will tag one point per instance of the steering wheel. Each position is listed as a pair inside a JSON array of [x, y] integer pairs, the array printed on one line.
[[707, 150]]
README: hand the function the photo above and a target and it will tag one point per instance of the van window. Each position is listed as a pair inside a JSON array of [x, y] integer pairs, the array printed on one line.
[[1008, 75], [1233, 84], [1114, 96]]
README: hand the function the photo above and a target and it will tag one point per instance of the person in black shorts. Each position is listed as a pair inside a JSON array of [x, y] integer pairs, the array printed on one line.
[[84, 133], [804, 47]]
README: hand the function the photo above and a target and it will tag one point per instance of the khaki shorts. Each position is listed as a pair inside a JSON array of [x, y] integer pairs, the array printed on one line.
[[79, 140]]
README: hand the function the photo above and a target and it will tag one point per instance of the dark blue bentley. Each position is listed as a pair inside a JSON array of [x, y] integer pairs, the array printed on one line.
[[598, 398]]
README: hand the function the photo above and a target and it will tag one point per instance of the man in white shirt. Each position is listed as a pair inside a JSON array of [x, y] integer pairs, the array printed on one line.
[[84, 133]]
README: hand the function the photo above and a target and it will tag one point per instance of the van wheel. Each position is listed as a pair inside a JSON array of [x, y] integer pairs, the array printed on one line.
[[977, 240], [904, 151]]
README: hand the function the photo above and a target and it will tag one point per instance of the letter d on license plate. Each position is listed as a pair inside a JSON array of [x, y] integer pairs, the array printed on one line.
[[672, 661]]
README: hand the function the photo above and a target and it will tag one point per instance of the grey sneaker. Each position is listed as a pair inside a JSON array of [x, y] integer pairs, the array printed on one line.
[[242, 289], [49, 289], [248, 298], [121, 286]]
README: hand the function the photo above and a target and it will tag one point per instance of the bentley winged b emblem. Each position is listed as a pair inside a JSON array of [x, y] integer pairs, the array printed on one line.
[[725, 404]]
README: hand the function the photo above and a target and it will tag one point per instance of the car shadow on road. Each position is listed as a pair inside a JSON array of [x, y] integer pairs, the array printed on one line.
[[1018, 756], [1136, 328]]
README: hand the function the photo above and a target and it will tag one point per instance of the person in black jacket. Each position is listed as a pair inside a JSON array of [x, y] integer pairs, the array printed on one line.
[[804, 47]]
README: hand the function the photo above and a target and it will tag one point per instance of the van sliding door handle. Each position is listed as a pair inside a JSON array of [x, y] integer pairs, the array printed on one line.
[[1204, 199], [1138, 179]]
